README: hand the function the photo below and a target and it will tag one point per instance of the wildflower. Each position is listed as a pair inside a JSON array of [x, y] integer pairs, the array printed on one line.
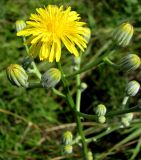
[[123, 34], [20, 25], [17, 75], [68, 149], [67, 137], [50, 78], [49, 27], [132, 88], [101, 110], [130, 62]]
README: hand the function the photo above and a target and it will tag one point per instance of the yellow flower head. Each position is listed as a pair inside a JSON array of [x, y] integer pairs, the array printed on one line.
[[50, 27]]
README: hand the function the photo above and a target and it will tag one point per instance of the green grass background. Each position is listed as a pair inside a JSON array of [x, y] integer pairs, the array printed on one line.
[[105, 85]]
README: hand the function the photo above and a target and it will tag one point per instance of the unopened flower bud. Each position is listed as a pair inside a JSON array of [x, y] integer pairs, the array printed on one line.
[[83, 86], [125, 122], [67, 137], [50, 78], [17, 75], [101, 119], [129, 116], [132, 88], [101, 110], [68, 149], [130, 62], [90, 155], [20, 25], [126, 119], [123, 34]]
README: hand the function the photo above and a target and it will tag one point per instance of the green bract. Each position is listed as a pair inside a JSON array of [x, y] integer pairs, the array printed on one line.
[[130, 62], [17, 75], [50, 78], [123, 34], [132, 88]]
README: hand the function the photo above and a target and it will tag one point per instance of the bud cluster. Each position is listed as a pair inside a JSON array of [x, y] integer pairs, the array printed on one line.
[[67, 141], [101, 111]]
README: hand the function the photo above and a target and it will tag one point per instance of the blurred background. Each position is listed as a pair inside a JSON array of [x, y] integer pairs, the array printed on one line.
[[47, 112]]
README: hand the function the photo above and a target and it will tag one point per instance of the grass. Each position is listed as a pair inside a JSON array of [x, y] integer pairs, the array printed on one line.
[[19, 107]]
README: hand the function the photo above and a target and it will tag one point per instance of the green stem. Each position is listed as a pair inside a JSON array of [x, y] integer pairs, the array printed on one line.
[[78, 93], [131, 136], [26, 47], [137, 108], [34, 85], [136, 150], [109, 130], [36, 71], [124, 102], [72, 106], [58, 93], [92, 64], [108, 61]]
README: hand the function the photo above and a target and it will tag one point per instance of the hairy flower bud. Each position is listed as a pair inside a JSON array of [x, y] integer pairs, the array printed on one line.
[[20, 25], [50, 78], [68, 149], [90, 155], [125, 122], [101, 119], [17, 75], [123, 34], [83, 86], [126, 119], [129, 116], [130, 62], [101, 110], [132, 88], [67, 137]]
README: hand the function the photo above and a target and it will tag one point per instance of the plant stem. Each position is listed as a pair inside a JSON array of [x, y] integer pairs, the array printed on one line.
[[108, 61], [36, 71], [124, 102], [108, 130], [131, 136], [92, 64], [72, 106], [137, 108], [136, 150], [78, 93], [58, 93]]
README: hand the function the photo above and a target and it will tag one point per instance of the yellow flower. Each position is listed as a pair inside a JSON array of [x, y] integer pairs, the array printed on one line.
[[50, 27]]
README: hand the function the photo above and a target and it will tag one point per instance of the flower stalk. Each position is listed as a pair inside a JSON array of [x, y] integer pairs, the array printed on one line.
[[72, 106]]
